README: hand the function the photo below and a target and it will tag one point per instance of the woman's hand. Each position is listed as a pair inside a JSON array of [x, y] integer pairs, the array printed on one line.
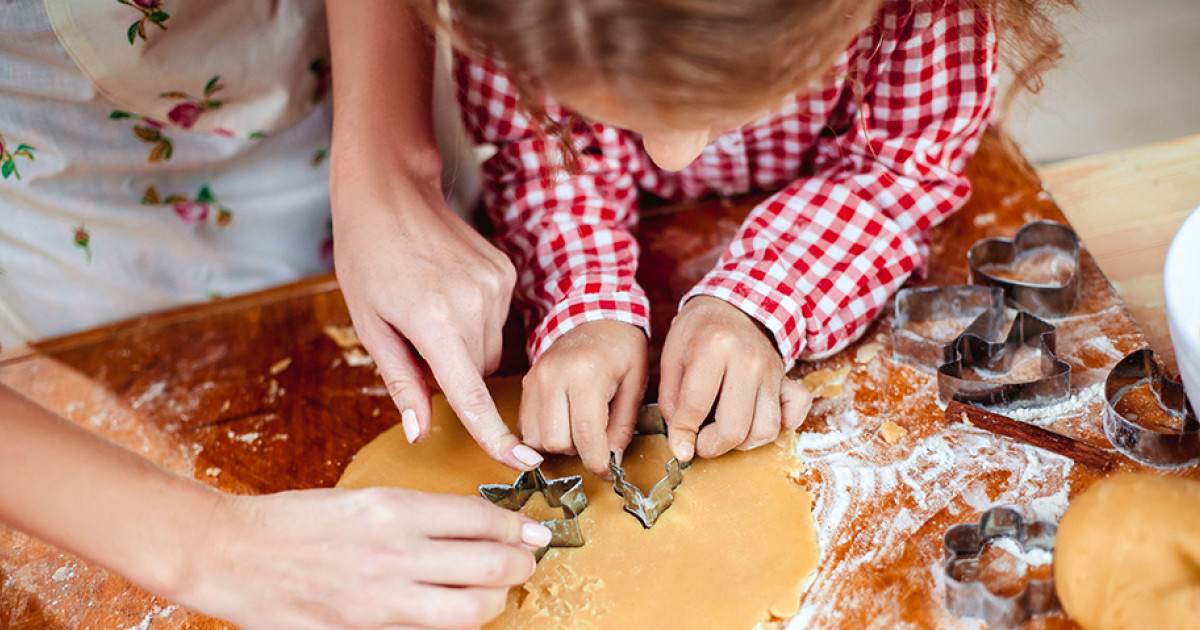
[[417, 278], [715, 353], [582, 395], [345, 559]]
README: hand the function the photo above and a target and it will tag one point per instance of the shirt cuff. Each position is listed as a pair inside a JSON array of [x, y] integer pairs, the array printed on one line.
[[632, 307]]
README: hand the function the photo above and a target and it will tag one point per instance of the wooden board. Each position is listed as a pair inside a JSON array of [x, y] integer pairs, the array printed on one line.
[[1127, 206], [192, 389]]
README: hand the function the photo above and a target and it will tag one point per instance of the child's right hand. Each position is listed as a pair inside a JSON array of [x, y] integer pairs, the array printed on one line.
[[582, 395]]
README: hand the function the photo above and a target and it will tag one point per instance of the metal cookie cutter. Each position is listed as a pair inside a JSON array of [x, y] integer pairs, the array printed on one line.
[[1163, 447], [1043, 300], [966, 596], [647, 509], [566, 493], [929, 304], [971, 350]]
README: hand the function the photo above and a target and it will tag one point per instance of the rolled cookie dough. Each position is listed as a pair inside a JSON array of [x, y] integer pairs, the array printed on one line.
[[1128, 554], [735, 550]]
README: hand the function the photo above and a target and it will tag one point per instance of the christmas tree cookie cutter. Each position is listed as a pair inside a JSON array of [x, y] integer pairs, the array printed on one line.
[[566, 493], [966, 596], [648, 508]]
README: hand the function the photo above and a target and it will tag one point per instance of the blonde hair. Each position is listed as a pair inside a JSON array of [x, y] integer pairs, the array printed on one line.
[[691, 57]]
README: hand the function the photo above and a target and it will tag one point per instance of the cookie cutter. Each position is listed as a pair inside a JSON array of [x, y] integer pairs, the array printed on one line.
[[985, 304], [966, 596], [1163, 447], [648, 508], [972, 350], [1043, 300], [566, 493]]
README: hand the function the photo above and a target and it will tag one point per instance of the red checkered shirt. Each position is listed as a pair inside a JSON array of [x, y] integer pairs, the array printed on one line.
[[863, 168]]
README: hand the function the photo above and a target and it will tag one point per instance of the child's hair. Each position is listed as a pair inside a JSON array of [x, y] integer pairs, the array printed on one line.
[[689, 57]]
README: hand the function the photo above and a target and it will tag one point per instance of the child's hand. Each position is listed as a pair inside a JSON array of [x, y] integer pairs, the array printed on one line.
[[713, 348], [582, 395]]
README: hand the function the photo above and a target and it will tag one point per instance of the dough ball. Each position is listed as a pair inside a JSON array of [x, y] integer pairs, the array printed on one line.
[[1128, 554]]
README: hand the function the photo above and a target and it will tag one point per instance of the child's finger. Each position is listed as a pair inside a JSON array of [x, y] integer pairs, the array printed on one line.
[[768, 418], [697, 392], [527, 416], [796, 402], [735, 413], [400, 372], [623, 410], [471, 400], [554, 422], [589, 419]]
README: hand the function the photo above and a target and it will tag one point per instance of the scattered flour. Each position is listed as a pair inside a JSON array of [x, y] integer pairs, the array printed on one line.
[[247, 438], [1029, 557], [65, 572]]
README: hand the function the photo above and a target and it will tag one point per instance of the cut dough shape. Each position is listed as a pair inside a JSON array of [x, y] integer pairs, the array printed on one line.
[[735, 550], [892, 432], [1127, 554]]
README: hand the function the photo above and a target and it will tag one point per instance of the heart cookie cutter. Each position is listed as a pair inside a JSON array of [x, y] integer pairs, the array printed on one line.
[[648, 508], [1043, 300], [566, 493], [1165, 447], [931, 304], [966, 596]]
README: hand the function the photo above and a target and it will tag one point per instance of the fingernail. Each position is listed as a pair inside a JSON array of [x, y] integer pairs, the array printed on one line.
[[527, 456], [412, 430], [535, 535], [619, 455], [684, 451]]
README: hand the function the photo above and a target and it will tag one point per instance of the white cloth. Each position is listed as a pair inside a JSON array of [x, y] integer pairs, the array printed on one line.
[[144, 173]]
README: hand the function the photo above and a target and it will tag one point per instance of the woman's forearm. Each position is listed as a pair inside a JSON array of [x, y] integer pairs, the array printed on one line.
[[74, 489], [383, 83]]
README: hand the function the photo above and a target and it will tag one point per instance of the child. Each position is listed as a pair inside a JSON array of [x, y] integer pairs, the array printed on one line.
[[861, 115]]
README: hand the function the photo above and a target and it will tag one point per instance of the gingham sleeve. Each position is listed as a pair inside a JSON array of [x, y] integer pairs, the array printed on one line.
[[816, 262], [567, 234]]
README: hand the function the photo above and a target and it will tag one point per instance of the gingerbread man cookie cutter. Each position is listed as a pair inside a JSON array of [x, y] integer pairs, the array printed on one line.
[[966, 596], [566, 493], [973, 348], [1159, 446], [1050, 299], [972, 351], [647, 508]]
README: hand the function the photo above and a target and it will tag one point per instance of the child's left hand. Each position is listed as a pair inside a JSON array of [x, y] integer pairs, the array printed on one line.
[[714, 348]]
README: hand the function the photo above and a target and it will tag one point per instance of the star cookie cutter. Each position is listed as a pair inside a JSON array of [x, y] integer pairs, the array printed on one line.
[[648, 508], [966, 596], [1162, 447], [971, 350], [1043, 300], [931, 304], [566, 493]]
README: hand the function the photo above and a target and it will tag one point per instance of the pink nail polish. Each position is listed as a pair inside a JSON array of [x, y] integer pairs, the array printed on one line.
[[527, 456], [535, 535], [412, 429]]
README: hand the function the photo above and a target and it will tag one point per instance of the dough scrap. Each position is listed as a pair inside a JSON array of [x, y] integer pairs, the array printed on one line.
[[826, 383], [735, 550], [344, 336], [892, 432], [1128, 554]]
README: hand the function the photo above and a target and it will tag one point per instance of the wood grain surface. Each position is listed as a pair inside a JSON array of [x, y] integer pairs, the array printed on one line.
[[193, 389]]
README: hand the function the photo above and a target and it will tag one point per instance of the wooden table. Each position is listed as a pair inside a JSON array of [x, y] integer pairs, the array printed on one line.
[[1126, 206], [193, 389]]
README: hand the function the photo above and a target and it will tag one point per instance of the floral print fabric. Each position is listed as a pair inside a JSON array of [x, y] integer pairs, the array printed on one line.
[[168, 177]]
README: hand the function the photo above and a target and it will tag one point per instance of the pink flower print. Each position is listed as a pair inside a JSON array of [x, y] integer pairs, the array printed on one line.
[[190, 108], [185, 114], [191, 211], [147, 4], [83, 240], [152, 13]]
